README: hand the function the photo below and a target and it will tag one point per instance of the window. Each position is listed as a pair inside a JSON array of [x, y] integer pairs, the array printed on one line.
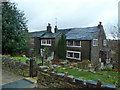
[[70, 54], [72, 43], [46, 42], [76, 43], [104, 42], [76, 55], [95, 42], [73, 55], [43, 41]]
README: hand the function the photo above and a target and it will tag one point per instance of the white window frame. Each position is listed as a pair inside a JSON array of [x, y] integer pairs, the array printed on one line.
[[73, 44], [94, 42], [46, 42], [104, 42], [73, 55]]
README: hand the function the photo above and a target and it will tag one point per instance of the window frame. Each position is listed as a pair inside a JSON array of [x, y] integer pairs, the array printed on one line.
[[105, 42], [73, 54], [47, 42], [94, 43], [73, 43]]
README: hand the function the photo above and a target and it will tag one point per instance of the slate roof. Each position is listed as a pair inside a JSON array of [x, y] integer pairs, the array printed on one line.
[[50, 35], [71, 34], [82, 33], [37, 34], [53, 35]]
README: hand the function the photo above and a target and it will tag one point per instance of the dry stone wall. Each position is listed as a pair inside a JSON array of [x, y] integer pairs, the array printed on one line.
[[53, 79], [15, 66]]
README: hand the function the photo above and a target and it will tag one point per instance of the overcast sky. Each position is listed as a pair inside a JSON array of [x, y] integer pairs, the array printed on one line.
[[69, 13]]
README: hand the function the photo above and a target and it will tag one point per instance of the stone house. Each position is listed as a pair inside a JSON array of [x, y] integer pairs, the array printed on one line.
[[87, 43]]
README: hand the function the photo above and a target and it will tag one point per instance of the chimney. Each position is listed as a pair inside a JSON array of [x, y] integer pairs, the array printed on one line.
[[55, 29], [49, 28], [100, 25]]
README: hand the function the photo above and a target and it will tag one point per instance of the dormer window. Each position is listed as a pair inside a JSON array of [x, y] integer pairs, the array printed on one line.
[[46, 42], [74, 43], [95, 42]]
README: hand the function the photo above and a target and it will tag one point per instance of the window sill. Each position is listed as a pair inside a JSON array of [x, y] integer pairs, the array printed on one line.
[[73, 46], [73, 58], [46, 44]]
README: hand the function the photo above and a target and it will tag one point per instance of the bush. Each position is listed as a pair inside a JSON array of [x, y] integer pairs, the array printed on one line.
[[84, 64]]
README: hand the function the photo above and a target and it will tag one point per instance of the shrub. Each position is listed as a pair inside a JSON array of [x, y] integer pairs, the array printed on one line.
[[84, 64]]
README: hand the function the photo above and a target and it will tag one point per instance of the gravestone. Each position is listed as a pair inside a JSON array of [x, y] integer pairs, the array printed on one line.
[[102, 65]]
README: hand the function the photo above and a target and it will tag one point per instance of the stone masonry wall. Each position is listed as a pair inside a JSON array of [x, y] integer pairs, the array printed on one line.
[[59, 80], [15, 66]]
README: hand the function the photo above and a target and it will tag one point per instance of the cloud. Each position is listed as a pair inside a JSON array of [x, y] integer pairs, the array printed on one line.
[[69, 13]]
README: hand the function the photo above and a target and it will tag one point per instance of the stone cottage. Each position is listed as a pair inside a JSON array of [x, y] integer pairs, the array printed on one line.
[[87, 43]]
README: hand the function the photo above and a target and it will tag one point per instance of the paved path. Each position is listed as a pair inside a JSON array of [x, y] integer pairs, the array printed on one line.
[[8, 77]]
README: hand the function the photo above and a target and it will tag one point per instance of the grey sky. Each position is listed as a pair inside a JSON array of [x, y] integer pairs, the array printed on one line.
[[69, 13]]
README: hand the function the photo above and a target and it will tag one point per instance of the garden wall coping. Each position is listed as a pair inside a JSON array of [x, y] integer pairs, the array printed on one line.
[[79, 80], [108, 85], [91, 82]]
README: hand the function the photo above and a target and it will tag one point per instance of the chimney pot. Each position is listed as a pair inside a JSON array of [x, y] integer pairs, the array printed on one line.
[[100, 25], [56, 29], [49, 28]]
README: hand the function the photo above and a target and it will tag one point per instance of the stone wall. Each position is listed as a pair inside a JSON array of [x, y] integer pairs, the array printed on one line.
[[59, 80], [15, 66]]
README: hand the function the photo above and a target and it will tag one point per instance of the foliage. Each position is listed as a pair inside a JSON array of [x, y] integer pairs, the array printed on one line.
[[46, 51], [84, 64], [14, 30], [61, 47], [114, 45]]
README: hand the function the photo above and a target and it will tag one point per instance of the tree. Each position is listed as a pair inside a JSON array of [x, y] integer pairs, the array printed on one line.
[[61, 47], [114, 46], [14, 30]]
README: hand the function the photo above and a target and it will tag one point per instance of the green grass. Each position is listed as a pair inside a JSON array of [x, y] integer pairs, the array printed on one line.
[[87, 75], [111, 73], [38, 61], [23, 59]]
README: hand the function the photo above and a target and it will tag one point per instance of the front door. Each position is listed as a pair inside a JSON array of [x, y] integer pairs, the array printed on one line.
[[103, 56]]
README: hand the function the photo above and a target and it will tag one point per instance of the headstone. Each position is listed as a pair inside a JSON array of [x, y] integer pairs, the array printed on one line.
[[102, 65], [99, 59]]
